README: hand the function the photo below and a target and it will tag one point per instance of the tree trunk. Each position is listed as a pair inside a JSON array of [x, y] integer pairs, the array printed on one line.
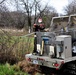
[[29, 22]]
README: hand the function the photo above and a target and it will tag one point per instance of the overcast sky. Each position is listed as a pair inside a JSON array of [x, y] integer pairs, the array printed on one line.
[[57, 4]]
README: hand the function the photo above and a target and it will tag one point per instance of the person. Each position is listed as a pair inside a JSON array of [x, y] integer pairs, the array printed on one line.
[[37, 28]]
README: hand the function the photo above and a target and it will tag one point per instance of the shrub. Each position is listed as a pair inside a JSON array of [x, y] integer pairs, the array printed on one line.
[[14, 48], [9, 70]]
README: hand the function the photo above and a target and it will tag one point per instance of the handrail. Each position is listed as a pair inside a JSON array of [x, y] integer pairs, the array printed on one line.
[[28, 34]]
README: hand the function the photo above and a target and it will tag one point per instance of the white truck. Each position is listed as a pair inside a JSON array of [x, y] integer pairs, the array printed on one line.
[[56, 50]]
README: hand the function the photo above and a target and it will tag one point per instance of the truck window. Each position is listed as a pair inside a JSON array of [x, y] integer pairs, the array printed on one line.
[[73, 21], [59, 22]]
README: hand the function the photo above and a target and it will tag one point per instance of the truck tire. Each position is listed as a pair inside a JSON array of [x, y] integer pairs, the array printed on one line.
[[69, 68], [49, 71], [73, 47]]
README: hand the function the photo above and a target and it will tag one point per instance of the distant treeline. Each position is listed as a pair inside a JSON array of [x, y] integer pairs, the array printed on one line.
[[13, 19]]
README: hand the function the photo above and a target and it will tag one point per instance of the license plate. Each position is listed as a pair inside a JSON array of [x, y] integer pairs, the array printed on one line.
[[35, 62]]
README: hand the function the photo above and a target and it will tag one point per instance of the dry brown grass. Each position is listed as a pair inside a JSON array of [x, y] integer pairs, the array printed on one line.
[[25, 66]]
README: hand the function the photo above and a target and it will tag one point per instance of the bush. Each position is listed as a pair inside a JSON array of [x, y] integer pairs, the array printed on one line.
[[27, 67], [14, 48], [9, 70]]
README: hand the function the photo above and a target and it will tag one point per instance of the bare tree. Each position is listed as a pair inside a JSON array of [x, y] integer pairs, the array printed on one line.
[[2, 1], [9, 19], [26, 14], [47, 15], [71, 8], [31, 7], [35, 10], [28, 6]]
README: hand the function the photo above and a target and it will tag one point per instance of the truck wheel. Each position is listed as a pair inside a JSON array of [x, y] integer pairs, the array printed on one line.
[[49, 71], [69, 68], [73, 47]]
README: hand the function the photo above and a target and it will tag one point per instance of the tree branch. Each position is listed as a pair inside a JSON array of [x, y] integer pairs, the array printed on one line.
[[2, 1]]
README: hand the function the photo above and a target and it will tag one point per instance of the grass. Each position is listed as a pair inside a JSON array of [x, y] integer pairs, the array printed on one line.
[[11, 47], [10, 70], [18, 45], [7, 69]]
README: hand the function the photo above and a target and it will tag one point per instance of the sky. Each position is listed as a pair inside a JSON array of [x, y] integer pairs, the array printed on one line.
[[57, 4]]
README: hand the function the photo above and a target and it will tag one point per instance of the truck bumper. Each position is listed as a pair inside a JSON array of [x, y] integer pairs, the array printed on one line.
[[44, 61]]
